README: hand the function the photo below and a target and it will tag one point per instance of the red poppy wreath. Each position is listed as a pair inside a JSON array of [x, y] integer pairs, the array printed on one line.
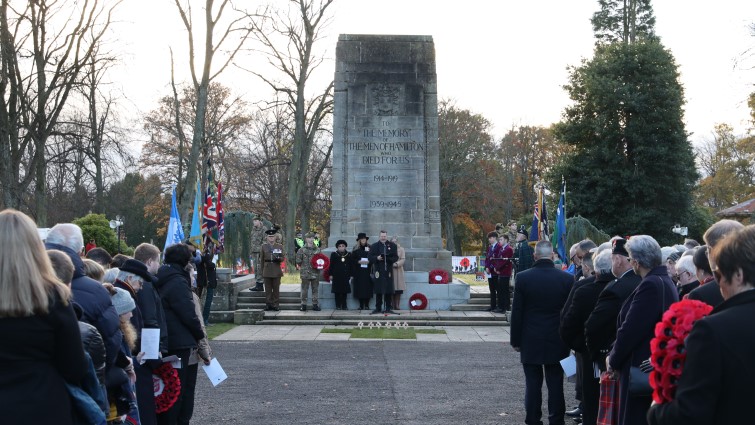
[[418, 301], [319, 261], [326, 275], [667, 348], [167, 387], [438, 276]]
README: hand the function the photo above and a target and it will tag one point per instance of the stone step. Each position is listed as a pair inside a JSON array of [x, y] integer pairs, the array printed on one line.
[[348, 322], [469, 307], [261, 305], [476, 295], [402, 316], [261, 300]]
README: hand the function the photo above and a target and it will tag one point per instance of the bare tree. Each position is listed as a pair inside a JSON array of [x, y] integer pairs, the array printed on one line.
[[45, 48], [201, 78], [287, 37]]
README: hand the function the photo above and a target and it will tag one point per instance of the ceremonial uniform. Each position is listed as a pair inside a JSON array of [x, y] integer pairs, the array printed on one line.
[[271, 257], [256, 239], [310, 277], [382, 272]]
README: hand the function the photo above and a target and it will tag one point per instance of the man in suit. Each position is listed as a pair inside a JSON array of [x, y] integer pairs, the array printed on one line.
[[383, 254], [709, 292], [539, 296], [600, 327]]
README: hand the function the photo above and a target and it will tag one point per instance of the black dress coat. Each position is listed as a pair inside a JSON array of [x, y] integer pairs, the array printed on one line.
[[340, 272], [38, 355], [583, 302], [539, 296], [184, 327], [637, 319], [716, 383], [383, 269], [362, 281], [600, 327], [709, 293]]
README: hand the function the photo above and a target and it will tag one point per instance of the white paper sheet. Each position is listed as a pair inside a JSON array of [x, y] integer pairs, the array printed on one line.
[[215, 372], [151, 343], [569, 365], [364, 262]]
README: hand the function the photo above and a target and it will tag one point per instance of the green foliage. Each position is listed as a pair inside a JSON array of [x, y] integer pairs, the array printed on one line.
[[632, 170], [132, 197], [623, 21], [579, 228], [697, 221], [238, 226], [97, 227], [728, 163]]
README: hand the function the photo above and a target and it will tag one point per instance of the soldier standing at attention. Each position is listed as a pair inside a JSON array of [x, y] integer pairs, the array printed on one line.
[[271, 257], [512, 231], [257, 238], [383, 254], [310, 277], [523, 253]]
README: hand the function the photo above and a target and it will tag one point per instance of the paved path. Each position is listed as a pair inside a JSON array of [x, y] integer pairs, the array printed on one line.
[[313, 333]]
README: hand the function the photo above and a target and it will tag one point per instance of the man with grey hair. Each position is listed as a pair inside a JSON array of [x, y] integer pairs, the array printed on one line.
[[539, 296], [90, 295], [573, 331], [710, 293], [686, 275]]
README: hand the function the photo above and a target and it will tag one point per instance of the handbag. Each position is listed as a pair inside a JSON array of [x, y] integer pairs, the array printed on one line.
[[608, 406], [639, 383]]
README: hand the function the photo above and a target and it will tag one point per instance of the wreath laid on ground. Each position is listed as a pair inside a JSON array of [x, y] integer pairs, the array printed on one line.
[[167, 387], [667, 348], [319, 261], [418, 301], [326, 275], [438, 276]]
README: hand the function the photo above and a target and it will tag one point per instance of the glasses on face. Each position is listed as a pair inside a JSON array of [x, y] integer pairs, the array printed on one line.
[[717, 275]]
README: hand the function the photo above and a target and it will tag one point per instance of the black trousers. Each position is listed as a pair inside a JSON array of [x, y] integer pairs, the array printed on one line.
[[494, 286], [170, 417], [364, 303], [341, 300], [379, 298], [590, 390], [533, 394], [188, 386], [504, 293]]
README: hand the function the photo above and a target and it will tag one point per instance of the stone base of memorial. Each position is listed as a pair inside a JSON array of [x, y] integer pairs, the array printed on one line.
[[226, 295], [439, 297]]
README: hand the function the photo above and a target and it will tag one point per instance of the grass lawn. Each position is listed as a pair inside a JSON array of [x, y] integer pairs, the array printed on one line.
[[383, 333], [218, 329], [469, 279]]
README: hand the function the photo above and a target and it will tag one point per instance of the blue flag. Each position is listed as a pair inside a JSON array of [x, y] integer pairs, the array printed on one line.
[[559, 236], [196, 229], [175, 231]]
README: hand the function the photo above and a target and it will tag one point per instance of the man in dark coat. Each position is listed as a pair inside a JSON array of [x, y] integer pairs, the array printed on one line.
[[539, 296], [523, 252], [89, 294], [600, 327], [383, 254], [573, 330]]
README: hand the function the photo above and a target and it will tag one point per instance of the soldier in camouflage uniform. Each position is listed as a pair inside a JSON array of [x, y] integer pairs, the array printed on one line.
[[257, 238], [309, 275], [512, 231]]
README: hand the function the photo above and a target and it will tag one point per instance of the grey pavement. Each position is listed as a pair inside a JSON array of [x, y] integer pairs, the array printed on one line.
[[330, 381]]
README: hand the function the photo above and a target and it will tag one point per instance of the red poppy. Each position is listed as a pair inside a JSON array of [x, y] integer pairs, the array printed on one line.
[[319, 261]]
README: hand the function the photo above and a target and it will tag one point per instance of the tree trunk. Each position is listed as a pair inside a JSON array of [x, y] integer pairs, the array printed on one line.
[[40, 192], [450, 234]]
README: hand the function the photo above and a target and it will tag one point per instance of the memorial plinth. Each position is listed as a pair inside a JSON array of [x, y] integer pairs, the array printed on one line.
[[385, 146]]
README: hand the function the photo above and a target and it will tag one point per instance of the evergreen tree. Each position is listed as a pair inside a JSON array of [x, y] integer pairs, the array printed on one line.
[[625, 21], [632, 169]]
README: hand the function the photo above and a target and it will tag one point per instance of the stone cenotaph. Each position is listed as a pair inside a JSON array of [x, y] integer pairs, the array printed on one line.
[[385, 148]]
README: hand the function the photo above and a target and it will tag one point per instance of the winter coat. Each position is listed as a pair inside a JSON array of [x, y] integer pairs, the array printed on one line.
[[93, 344], [493, 261], [206, 272], [524, 256], [38, 355], [96, 304], [153, 316], [399, 280], [203, 346], [362, 282], [340, 272], [382, 270], [184, 326]]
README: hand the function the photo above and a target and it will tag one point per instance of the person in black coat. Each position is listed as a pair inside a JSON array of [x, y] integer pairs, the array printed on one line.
[[88, 293], [184, 327], [637, 319], [600, 327], [573, 331], [340, 274], [539, 296], [715, 387], [383, 254], [360, 271], [41, 346]]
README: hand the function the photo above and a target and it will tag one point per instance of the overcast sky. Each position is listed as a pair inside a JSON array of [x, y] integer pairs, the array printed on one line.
[[506, 60]]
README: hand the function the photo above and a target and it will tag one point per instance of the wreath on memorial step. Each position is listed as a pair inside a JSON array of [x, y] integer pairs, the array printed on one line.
[[326, 275], [668, 353], [418, 301], [167, 387], [438, 276], [319, 261]]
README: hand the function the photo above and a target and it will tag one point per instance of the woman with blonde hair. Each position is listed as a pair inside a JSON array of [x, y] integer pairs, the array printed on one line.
[[41, 348], [399, 281]]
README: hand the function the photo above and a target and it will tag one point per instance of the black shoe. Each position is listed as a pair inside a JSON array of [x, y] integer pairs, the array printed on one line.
[[498, 310], [268, 308], [338, 307], [315, 307], [276, 309], [489, 309], [303, 307], [577, 411], [376, 311], [389, 312], [257, 289]]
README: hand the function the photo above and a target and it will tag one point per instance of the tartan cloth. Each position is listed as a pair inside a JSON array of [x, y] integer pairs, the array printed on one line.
[[608, 405]]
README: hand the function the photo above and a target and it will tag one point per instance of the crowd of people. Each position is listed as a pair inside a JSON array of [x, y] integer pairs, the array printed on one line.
[[605, 310], [84, 363]]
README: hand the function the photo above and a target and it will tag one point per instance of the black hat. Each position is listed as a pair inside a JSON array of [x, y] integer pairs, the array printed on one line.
[[361, 236], [341, 242], [271, 232], [619, 248], [138, 268], [523, 231]]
